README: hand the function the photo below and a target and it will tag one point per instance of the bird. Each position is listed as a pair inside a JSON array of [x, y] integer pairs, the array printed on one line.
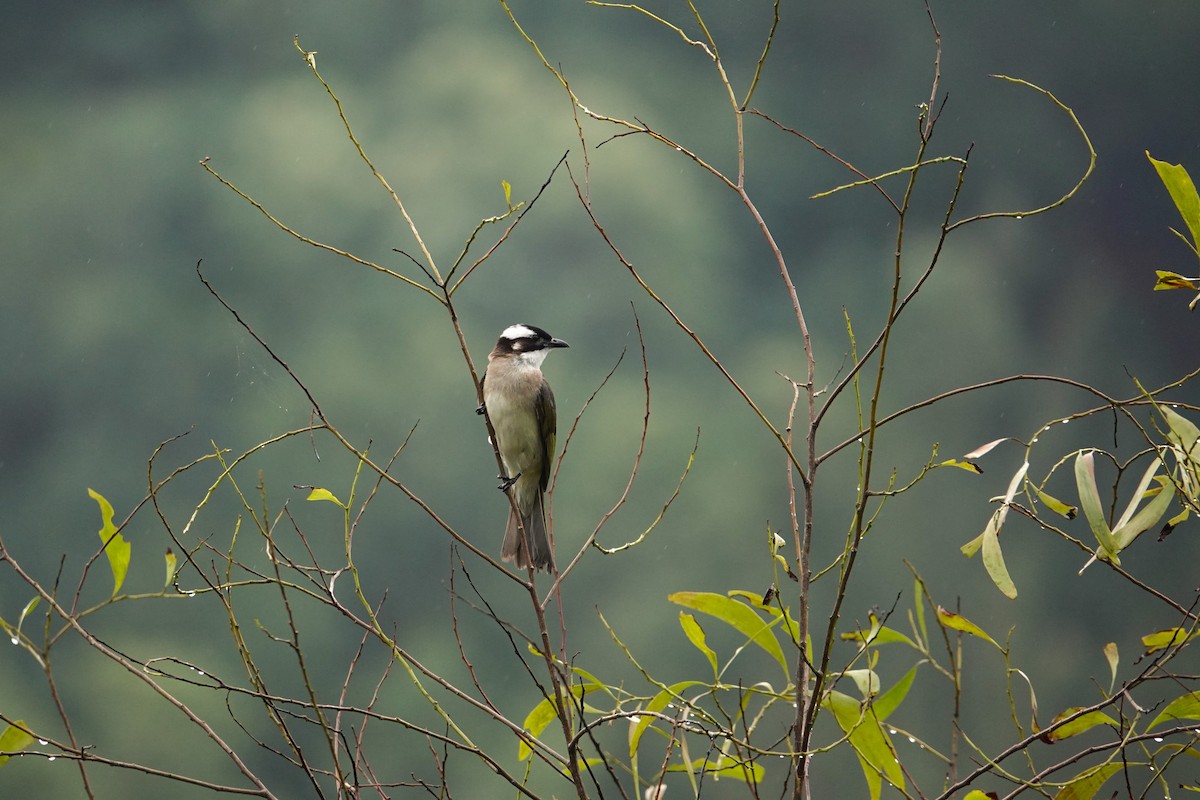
[[520, 405]]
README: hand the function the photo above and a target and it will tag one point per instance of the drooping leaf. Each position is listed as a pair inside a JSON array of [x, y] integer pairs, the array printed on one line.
[[1183, 434], [1089, 501], [1134, 522], [983, 450], [960, 623], [14, 739], [871, 744], [1085, 785], [695, 635], [116, 547], [993, 558], [172, 566], [738, 615], [1112, 655], [1076, 726]]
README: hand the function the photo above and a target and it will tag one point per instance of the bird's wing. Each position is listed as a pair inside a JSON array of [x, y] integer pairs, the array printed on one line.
[[547, 417]]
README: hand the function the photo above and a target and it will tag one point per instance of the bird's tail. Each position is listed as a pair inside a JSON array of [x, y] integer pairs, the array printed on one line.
[[538, 554]]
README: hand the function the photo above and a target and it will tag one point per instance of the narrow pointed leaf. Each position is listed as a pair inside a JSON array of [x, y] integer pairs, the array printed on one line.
[[1085, 785], [172, 564], [960, 623], [1077, 726], [1183, 192], [695, 635], [965, 465], [1183, 707], [1056, 505], [543, 714], [889, 701], [738, 615], [723, 768], [1112, 655], [116, 547], [1182, 433], [1148, 516], [14, 740], [993, 558], [983, 450], [656, 705], [1089, 501], [872, 745]]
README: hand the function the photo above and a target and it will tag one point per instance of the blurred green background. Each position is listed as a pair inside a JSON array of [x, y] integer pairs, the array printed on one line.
[[111, 344]]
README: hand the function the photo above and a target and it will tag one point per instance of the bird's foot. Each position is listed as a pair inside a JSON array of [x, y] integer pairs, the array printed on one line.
[[479, 409], [506, 483]]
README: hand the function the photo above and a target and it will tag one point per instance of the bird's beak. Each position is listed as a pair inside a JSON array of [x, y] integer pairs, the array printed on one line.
[[557, 343]]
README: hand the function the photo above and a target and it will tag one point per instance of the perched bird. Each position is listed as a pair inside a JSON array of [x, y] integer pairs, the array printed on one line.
[[521, 408]]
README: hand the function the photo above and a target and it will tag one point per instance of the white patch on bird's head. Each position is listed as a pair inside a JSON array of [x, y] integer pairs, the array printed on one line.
[[513, 332]]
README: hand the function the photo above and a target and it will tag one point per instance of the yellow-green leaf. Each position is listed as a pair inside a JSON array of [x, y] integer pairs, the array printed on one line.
[[738, 615], [14, 739], [656, 705], [1183, 434], [890, 700], [1173, 280], [318, 493], [544, 713], [1160, 640], [958, 622], [965, 465], [993, 558], [874, 749], [1183, 707], [1183, 192], [1113, 657], [116, 547], [1089, 501], [1076, 726], [26, 611], [695, 635], [507, 193], [1056, 505], [1085, 785], [172, 564]]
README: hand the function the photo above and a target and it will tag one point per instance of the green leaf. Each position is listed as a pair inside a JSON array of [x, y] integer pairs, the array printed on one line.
[[1077, 726], [318, 493], [14, 740], [25, 612], [1085, 785], [1056, 505], [544, 713], [656, 705], [507, 193], [958, 622], [993, 558], [878, 634], [1133, 524], [890, 700], [874, 749], [695, 635], [116, 547], [1089, 500], [738, 615], [1183, 192], [1183, 434], [172, 565], [1183, 707]]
